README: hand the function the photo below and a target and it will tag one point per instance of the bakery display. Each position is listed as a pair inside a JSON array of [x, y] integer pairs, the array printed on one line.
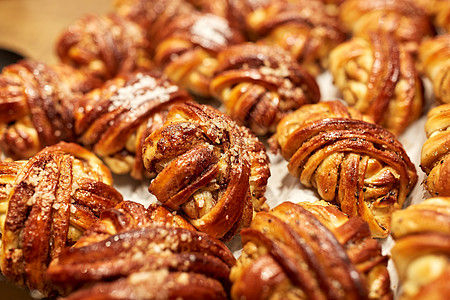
[[287, 245], [128, 255], [408, 23], [356, 164], [434, 55], [434, 158], [208, 168], [104, 46], [46, 203], [118, 89], [116, 118], [378, 77], [422, 249], [304, 28], [36, 106], [259, 85]]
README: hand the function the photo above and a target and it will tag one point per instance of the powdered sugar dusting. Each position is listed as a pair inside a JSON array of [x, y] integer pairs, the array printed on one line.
[[212, 28], [146, 88]]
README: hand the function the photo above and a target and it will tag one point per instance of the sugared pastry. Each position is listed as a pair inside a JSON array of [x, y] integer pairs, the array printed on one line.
[[208, 168], [115, 119], [421, 252], [434, 55], [46, 203], [187, 46], [360, 166], [408, 23], [378, 77], [143, 260], [309, 251], [304, 28], [104, 46], [435, 158], [36, 106], [259, 85]]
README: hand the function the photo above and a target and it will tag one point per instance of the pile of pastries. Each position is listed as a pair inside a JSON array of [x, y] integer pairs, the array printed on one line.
[[136, 93]]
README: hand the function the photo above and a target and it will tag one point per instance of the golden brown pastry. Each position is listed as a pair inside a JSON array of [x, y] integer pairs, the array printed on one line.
[[408, 23], [438, 10], [421, 252], [434, 57], [130, 255], [302, 27], [260, 84], [116, 118], [434, 159], [36, 106], [128, 215], [104, 46], [208, 168], [151, 14], [309, 251], [378, 77], [187, 47], [357, 165], [45, 205]]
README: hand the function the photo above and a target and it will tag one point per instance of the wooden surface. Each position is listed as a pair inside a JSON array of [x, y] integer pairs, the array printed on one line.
[[31, 27]]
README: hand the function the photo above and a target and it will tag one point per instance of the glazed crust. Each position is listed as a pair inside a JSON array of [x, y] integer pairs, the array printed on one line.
[[304, 28], [434, 57], [356, 164], [434, 159], [129, 215], [104, 46], [259, 85], [36, 106], [47, 202], [138, 253], [207, 167], [116, 118], [309, 251], [422, 249], [379, 78], [408, 23]]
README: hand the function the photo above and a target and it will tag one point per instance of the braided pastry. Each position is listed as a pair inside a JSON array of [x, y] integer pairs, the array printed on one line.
[[408, 23], [435, 60], [45, 205], [142, 260], [309, 251], [104, 46], [356, 164], [259, 85], [187, 47], [434, 159], [304, 28], [152, 14], [128, 215], [207, 167], [116, 118], [421, 253], [36, 106], [378, 77]]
